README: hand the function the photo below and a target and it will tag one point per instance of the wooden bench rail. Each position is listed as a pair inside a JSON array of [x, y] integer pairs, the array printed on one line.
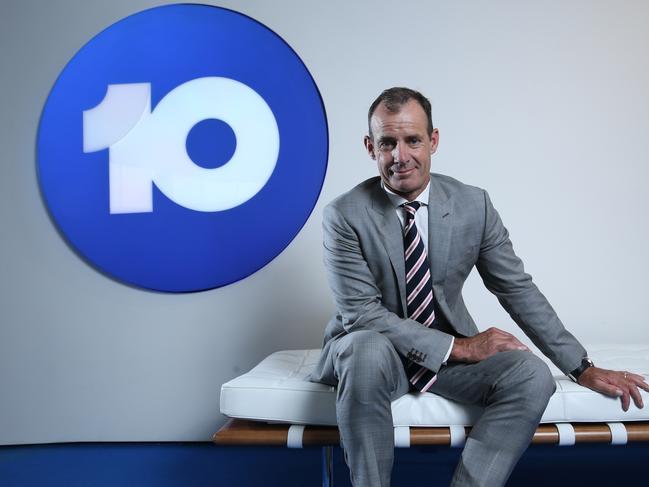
[[253, 433]]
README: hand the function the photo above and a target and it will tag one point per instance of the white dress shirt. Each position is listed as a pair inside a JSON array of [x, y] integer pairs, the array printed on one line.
[[421, 222]]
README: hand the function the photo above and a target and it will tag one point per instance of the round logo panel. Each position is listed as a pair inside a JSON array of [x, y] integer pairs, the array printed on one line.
[[182, 148]]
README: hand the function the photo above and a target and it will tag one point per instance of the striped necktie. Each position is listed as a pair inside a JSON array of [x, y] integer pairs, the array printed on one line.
[[419, 291]]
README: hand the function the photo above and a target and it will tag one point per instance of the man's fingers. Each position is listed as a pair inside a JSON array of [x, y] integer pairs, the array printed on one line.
[[635, 376], [626, 401], [635, 394], [639, 381], [614, 383], [633, 381], [504, 340], [607, 389], [625, 387], [517, 344], [510, 343], [492, 341]]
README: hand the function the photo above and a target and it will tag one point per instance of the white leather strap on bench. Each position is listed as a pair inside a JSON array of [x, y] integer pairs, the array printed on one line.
[[566, 434], [294, 436], [618, 433], [458, 435], [402, 436]]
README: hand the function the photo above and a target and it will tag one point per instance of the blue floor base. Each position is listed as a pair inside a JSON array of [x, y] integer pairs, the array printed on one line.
[[204, 464]]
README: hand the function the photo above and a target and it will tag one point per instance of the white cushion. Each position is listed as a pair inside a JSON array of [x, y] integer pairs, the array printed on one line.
[[277, 390]]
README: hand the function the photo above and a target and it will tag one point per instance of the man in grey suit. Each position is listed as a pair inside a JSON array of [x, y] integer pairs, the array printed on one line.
[[397, 249]]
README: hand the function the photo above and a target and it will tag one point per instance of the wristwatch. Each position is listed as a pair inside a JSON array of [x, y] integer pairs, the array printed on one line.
[[585, 363]]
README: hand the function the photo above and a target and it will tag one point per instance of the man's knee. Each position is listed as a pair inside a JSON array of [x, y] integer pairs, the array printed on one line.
[[364, 348], [532, 375], [367, 357]]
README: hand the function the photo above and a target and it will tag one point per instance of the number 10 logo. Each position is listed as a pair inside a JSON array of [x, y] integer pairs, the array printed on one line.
[[130, 122], [149, 147]]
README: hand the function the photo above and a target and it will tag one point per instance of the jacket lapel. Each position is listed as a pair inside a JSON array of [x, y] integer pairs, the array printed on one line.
[[386, 221], [439, 230]]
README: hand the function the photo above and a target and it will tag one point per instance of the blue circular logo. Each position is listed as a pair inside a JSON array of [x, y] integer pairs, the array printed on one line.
[[182, 148]]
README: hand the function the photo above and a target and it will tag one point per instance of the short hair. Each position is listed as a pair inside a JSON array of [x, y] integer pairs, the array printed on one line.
[[394, 98]]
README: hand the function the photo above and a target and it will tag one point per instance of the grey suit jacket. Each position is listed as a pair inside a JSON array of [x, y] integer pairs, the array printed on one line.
[[364, 259]]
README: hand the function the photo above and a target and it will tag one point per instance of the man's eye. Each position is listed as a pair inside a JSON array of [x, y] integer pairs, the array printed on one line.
[[414, 141], [386, 145]]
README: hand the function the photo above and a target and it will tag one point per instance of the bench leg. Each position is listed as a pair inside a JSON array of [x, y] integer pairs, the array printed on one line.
[[327, 466]]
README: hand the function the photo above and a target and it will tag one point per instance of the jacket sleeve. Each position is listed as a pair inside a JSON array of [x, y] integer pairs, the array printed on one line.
[[504, 275], [359, 300]]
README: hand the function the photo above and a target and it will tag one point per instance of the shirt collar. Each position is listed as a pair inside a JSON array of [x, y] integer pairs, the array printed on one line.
[[397, 200]]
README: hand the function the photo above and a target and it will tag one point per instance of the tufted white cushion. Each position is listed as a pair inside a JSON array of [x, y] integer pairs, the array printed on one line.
[[276, 390]]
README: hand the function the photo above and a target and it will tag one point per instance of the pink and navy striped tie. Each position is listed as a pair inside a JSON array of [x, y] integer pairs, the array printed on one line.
[[419, 291]]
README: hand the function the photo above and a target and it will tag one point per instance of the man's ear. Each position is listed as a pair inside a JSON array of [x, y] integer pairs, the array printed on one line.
[[369, 146], [434, 141]]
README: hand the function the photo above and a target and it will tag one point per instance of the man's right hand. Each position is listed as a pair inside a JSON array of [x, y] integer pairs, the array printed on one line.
[[484, 345]]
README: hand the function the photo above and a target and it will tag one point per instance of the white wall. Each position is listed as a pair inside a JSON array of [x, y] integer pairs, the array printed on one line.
[[543, 103]]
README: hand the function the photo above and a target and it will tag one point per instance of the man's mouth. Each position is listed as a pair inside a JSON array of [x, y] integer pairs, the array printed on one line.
[[401, 170]]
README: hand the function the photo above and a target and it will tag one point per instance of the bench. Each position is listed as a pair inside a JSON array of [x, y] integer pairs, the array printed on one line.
[[275, 404]]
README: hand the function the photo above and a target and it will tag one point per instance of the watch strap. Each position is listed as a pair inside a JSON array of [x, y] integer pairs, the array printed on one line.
[[585, 363]]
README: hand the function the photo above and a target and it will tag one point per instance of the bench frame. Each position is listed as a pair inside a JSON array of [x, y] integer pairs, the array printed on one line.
[[256, 433]]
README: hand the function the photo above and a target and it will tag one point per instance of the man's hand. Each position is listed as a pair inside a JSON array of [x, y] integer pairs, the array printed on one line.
[[615, 383], [484, 345]]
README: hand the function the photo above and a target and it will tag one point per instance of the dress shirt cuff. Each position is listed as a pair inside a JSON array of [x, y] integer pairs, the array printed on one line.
[[448, 354]]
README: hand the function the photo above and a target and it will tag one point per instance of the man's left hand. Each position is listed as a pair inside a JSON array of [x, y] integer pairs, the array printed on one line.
[[615, 383]]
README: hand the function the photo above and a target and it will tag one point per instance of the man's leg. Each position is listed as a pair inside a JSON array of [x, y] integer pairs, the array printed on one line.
[[514, 387], [370, 376]]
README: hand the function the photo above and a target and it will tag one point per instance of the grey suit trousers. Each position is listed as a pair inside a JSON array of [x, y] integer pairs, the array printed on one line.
[[513, 387]]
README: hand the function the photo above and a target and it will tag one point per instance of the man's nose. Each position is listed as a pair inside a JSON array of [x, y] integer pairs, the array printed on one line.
[[400, 152]]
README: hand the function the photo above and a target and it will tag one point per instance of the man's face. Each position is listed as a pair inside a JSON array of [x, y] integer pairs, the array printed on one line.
[[402, 148]]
